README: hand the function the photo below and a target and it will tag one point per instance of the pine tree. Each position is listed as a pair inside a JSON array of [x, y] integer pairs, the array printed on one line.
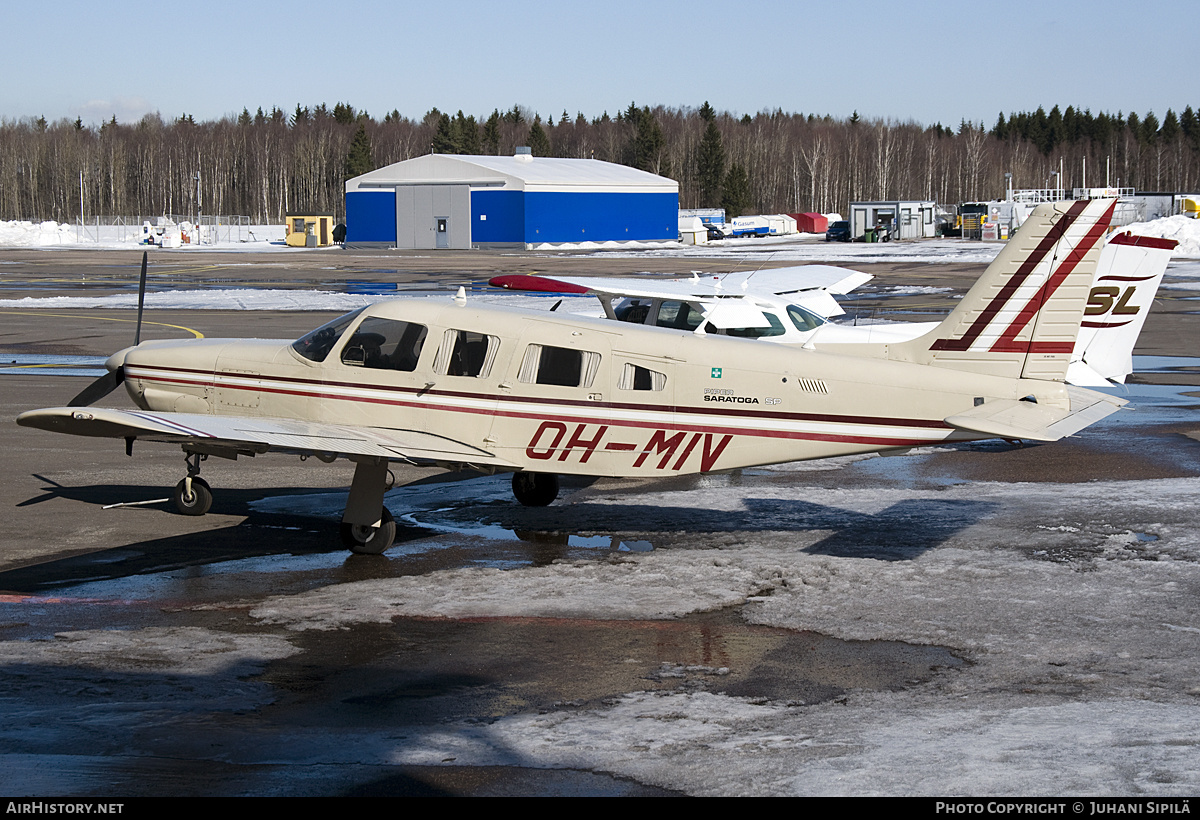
[[468, 133], [1170, 127], [649, 146], [736, 192], [710, 163], [1150, 129], [537, 140], [491, 133], [358, 160], [445, 141], [343, 113]]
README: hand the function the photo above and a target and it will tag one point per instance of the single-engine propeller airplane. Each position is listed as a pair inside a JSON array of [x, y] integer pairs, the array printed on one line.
[[463, 385], [790, 306]]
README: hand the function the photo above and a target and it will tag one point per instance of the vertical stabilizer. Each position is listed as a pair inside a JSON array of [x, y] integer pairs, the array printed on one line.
[[1022, 316], [1130, 270]]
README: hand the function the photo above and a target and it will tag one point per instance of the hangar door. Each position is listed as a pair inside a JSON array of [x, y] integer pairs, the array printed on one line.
[[433, 216]]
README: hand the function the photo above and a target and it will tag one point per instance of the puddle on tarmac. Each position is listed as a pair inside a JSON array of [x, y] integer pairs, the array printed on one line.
[[42, 364]]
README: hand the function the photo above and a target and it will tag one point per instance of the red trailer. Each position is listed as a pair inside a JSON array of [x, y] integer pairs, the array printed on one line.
[[810, 223]]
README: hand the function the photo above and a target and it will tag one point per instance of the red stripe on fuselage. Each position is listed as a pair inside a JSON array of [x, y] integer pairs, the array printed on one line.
[[209, 380], [665, 423]]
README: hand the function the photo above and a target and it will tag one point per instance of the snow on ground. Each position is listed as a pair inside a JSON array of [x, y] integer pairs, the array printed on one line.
[[1073, 603], [37, 234], [49, 234], [811, 248]]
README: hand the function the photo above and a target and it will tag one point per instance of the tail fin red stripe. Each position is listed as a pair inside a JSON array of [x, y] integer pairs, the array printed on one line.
[[1007, 340], [1015, 281]]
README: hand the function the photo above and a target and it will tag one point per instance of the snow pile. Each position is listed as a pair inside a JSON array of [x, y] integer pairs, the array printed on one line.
[[36, 234], [1183, 229], [51, 234]]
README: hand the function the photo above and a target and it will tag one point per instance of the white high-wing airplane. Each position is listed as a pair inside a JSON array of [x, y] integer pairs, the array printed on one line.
[[790, 305], [463, 385]]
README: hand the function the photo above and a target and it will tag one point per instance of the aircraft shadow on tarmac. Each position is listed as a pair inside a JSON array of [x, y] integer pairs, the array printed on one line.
[[900, 532]]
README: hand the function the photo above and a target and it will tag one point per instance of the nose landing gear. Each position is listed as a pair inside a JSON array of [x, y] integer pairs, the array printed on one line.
[[192, 495]]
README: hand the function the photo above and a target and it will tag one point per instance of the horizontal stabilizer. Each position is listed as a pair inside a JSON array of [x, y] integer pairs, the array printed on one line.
[[1011, 419]]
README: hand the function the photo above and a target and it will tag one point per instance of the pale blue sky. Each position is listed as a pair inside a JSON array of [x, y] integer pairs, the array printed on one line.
[[927, 62]]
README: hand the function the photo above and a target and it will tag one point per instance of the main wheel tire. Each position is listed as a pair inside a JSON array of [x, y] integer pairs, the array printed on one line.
[[535, 489], [198, 502], [363, 539]]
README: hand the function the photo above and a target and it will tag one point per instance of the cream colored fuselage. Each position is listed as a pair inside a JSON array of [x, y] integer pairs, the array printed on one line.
[[655, 401]]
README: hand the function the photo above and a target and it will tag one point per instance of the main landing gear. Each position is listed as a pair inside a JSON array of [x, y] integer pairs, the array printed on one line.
[[535, 489], [367, 526]]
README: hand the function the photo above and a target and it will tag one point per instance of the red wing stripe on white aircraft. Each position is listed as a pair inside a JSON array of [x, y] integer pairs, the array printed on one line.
[[166, 422], [1015, 281], [1007, 342]]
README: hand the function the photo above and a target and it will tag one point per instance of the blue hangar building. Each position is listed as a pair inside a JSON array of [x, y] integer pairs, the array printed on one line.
[[459, 201]]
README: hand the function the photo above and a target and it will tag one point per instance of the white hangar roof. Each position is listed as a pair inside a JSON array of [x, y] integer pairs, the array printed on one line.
[[521, 172]]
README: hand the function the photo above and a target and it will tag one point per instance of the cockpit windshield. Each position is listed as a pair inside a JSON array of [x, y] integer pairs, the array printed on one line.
[[804, 319], [315, 346]]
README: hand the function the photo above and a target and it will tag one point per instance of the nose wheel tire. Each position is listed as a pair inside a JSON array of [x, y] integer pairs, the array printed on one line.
[[195, 502], [535, 489], [363, 539]]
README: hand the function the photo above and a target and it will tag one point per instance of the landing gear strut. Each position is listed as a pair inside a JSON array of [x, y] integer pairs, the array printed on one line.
[[535, 489], [192, 495], [367, 526]]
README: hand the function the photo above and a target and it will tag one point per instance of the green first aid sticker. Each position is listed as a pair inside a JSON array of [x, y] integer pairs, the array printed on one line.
[[716, 372]]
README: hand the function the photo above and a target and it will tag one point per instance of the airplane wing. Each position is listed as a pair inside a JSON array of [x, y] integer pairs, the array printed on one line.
[[809, 285], [235, 435], [798, 278]]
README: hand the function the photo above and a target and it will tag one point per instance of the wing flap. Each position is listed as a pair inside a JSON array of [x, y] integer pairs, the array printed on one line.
[[258, 435]]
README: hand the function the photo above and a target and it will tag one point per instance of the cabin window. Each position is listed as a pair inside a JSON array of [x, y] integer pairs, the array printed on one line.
[[315, 346], [635, 377], [804, 319], [563, 366], [385, 344], [678, 315], [776, 329], [466, 353], [633, 310]]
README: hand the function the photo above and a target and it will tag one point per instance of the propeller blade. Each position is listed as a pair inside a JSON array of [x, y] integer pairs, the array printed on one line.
[[137, 334], [98, 389]]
